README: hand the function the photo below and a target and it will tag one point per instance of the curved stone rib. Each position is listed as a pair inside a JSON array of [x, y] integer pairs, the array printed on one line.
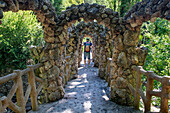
[[147, 10]]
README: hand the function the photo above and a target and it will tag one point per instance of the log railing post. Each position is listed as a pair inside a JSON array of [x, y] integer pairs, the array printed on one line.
[[138, 86], [33, 94], [19, 92], [164, 92], [1, 107], [149, 87]]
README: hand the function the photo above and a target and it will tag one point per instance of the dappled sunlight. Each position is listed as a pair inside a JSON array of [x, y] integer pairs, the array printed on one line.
[[105, 96], [84, 76], [62, 101], [72, 93], [50, 109], [87, 106], [87, 95], [81, 67], [69, 110], [81, 86], [70, 87], [76, 83]]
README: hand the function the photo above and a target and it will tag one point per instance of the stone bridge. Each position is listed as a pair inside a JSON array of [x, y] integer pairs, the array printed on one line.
[[113, 36]]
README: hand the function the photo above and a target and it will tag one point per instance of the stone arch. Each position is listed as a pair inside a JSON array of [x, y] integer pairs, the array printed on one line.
[[102, 42], [46, 15], [124, 32], [126, 54], [55, 28], [147, 10]]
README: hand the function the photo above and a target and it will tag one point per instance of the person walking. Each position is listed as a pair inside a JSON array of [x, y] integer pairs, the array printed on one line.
[[87, 47]]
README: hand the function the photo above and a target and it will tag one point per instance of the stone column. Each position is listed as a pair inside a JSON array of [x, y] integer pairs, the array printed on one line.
[[102, 56], [125, 55], [102, 62], [97, 52]]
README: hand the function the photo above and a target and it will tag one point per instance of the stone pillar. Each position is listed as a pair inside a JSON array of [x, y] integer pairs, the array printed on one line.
[[102, 56], [80, 52], [97, 52], [125, 55], [102, 62]]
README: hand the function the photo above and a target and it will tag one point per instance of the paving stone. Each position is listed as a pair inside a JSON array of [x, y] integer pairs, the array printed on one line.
[[86, 94]]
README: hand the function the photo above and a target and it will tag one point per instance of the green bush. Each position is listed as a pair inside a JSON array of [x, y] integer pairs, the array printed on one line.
[[18, 31], [156, 37]]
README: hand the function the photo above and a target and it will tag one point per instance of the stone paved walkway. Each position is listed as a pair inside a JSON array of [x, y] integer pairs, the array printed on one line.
[[86, 94]]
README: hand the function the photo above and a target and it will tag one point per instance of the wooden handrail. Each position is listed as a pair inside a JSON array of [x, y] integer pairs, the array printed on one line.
[[35, 66], [155, 77], [31, 91], [17, 88], [7, 78], [151, 76], [23, 72]]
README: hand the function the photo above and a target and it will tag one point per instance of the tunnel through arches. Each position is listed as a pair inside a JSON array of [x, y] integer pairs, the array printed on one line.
[[124, 31]]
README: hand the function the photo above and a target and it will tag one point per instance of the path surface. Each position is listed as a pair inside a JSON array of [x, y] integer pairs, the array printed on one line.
[[86, 94]]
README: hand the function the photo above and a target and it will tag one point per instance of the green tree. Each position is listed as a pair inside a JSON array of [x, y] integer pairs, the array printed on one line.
[[57, 5], [155, 36]]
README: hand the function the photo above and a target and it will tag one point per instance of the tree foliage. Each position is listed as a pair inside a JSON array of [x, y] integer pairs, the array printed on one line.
[[57, 5], [18, 31], [156, 37]]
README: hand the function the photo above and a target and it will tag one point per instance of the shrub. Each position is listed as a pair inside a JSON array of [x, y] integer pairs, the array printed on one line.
[[18, 31]]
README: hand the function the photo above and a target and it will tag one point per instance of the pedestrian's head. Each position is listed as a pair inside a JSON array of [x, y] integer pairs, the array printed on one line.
[[87, 39]]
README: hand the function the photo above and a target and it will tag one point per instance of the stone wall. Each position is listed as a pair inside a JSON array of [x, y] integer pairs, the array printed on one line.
[[125, 53], [123, 32]]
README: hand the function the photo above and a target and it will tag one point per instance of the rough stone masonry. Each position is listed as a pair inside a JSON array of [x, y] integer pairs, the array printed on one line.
[[124, 31]]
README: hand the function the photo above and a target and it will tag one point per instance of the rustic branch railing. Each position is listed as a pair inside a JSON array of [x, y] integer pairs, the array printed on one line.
[[17, 88], [164, 94], [137, 92]]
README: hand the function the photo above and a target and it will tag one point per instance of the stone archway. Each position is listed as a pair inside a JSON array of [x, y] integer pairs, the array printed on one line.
[[55, 36], [124, 32], [102, 42], [126, 54], [46, 15]]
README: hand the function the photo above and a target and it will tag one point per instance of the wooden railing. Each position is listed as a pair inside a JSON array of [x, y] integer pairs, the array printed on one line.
[[164, 94], [17, 88], [137, 92]]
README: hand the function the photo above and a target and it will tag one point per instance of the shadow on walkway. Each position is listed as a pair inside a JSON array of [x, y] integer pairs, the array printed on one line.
[[86, 94]]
